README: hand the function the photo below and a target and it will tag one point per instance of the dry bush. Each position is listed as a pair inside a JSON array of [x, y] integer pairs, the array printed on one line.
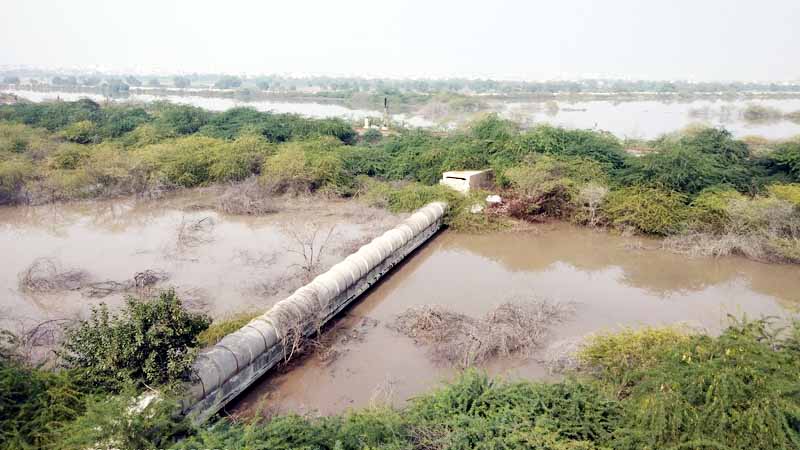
[[47, 275], [294, 322], [246, 198], [336, 342], [309, 242], [193, 233], [255, 258], [562, 356], [762, 228], [696, 244], [514, 327], [383, 394], [32, 342], [553, 203], [140, 280], [290, 282], [591, 197]]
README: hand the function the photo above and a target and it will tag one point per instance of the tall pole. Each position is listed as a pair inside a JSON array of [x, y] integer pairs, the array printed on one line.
[[386, 113]]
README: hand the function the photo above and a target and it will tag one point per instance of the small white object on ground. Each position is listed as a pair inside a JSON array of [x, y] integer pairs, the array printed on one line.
[[494, 199], [476, 208]]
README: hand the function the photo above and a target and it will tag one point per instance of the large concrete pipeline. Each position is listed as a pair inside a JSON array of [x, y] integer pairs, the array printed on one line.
[[243, 356]]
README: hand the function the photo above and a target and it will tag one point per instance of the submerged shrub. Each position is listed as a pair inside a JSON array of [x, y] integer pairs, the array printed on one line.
[[648, 210], [149, 341], [59, 185], [112, 170]]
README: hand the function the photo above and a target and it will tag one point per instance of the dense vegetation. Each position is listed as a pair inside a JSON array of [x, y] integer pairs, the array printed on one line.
[[646, 389], [652, 388], [102, 366], [714, 194]]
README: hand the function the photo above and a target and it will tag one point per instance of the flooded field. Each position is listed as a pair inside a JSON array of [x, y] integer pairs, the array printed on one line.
[[308, 109], [649, 119], [612, 281], [642, 119], [218, 263]]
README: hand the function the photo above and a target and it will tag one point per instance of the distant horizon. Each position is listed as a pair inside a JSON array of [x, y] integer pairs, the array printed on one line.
[[113, 71], [508, 40]]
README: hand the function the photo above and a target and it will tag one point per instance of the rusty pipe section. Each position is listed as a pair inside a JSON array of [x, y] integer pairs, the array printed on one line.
[[241, 357]]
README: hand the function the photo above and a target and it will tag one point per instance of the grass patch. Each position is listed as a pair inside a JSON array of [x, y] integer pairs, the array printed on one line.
[[220, 328]]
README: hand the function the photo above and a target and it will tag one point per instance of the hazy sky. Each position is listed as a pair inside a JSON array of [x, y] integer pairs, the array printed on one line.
[[692, 39]]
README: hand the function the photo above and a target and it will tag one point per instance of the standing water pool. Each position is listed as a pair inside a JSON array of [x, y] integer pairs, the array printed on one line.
[[612, 281]]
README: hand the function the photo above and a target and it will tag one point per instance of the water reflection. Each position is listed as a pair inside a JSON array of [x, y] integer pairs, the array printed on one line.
[[635, 262], [609, 284], [225, 273]]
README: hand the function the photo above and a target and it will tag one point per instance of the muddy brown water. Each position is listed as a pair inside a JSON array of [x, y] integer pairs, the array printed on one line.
[[614, 281], [237, 263]]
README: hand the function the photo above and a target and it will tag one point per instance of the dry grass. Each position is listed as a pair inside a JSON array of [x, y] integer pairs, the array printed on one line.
[[33, 343], [246, 198], [140, 281], [255, 258], [47, 275], [514, 327], [193, 233], [708, 244], [222, 327], [562, 356], [310, 242]]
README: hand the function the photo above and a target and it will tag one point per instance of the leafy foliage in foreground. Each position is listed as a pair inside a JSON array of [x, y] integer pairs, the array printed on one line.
[[150, 341], [34, 402], [76, 405], [646, 389]]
